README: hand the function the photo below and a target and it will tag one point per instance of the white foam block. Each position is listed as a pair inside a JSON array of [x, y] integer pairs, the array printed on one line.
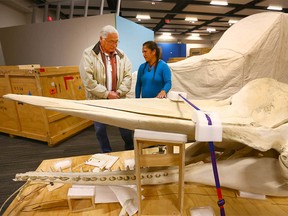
[[202, 211], [102, 160], [205, 132], [129, 162], [83, 186], [29, 67], [161, 136], [174, 95], [251, 195], [63, 164], [81, 192]]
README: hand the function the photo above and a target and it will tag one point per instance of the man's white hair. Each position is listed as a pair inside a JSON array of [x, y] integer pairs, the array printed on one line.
[[107, 30]]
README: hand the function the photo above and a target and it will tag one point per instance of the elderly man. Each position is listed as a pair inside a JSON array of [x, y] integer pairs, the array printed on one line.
[[106, 74]]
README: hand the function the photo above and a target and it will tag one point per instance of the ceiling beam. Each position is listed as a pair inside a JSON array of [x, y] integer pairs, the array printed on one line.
[[216, 19]]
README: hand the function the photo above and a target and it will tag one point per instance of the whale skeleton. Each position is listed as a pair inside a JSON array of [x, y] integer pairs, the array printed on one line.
[[253, 156]]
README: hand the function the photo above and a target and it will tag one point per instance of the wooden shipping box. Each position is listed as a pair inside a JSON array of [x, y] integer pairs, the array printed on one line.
[[199, 51], [34, 122], [175, 59]]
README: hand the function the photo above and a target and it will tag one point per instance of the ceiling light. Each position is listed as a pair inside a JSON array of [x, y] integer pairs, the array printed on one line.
[[271, 7], [211, 29], [191, 19], [231, 22], [166, 36], [142, 16], [219, 3], [195, 35]]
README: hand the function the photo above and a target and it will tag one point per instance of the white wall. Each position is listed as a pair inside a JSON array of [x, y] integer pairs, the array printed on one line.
[[17, 13], [61, 43], [131, 37], [11, 17], [50, 37], [57, 43]]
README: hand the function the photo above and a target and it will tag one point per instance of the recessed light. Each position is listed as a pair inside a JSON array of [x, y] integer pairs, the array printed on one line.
[[191, 19], [143, 16], [219, 3], [231, 22], [166, 36], [211, 29], [195, 35], [273, 7]]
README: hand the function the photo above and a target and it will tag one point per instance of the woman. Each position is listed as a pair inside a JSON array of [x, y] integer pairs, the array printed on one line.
[[154, 76]]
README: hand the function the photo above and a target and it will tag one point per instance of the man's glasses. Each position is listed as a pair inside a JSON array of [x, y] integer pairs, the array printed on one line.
[[112, 42]]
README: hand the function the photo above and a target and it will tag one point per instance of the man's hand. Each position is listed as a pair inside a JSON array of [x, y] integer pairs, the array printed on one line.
[[113, 95]]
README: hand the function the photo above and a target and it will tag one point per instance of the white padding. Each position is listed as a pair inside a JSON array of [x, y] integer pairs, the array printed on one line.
[[81, 192], [205, 132], [174, 95], [252, 195], [129, 162], [63, 164], [161, 136], [202, 211]]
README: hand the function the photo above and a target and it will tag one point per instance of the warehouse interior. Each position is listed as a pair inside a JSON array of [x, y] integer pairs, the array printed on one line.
[[47, 37], [168, 17]]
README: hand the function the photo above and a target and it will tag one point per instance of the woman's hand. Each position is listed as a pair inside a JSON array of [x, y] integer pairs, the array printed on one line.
[[161, 94]]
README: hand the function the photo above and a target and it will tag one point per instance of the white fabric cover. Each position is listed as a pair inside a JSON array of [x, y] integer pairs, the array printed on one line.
[[255, 47]]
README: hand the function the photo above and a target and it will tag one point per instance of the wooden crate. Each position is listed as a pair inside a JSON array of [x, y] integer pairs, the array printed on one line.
[[175, 59], [34, 122], [199, 51]]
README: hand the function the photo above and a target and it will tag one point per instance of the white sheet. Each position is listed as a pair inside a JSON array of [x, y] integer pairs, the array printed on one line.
[[255, 47]]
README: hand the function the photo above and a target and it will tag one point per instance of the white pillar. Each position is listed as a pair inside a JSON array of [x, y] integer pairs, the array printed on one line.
[[118, 7], [58, 11], [71, 9], [34, 12], [101, 7], [86, 8], [45, 12]]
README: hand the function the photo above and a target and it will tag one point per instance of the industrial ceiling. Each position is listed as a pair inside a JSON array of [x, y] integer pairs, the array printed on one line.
[[165, 15]]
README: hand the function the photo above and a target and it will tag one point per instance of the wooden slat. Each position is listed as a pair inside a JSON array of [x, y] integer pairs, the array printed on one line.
[[159, 160]]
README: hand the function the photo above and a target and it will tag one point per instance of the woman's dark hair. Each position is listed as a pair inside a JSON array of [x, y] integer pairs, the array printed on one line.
[[153, 46]]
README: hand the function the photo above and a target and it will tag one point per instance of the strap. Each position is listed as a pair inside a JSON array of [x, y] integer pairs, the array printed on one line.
[[221, 201]]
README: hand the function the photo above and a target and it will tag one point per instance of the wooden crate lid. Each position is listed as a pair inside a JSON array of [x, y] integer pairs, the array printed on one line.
[[57, 70]]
